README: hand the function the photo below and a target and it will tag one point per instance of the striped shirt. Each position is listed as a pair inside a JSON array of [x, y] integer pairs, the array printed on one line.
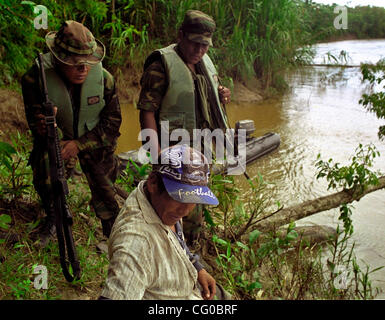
[[146, 258]]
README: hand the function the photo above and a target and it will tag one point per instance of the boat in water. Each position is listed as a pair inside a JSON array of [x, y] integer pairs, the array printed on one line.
[[256, 147]]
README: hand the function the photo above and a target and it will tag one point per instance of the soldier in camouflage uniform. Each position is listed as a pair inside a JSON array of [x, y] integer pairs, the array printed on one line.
[[88, 118], [180, 85]]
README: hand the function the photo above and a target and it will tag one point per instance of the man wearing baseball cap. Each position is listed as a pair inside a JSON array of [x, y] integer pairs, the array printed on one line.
[[148, 256], [180, 88], [88, 118]]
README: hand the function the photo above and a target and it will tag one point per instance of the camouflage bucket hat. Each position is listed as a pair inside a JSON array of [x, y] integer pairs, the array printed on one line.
[[74, 44], [198, 26]]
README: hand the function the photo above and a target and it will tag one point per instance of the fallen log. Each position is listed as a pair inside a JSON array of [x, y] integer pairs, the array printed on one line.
[[311, 207]]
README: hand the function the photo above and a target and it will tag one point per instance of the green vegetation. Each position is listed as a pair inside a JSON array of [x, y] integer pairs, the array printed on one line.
[[18, 40], [363, 22], [281, 264], [15, 175], [356, 177], [253, 38], [278, 264], [21, 214], [374, 101]]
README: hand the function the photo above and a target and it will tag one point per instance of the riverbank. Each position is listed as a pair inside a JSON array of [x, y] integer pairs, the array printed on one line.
[[248, 271], [302, 118], [128, 88], [335, 38]]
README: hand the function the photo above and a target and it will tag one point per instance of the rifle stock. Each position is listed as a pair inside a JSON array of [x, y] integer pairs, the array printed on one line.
[[63, 217]]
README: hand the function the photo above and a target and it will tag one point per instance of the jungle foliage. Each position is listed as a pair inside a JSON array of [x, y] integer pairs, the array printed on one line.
[[253, 37], [281, 263], [363, 22], [374, 100], [250, 264]]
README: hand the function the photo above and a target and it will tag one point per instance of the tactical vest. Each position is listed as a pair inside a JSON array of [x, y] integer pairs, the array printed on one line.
[[178, 104], [91, 99]]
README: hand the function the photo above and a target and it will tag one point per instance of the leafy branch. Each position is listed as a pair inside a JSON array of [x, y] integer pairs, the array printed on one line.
[[375, 101]]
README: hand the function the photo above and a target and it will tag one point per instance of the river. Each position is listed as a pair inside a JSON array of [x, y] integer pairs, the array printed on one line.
[[320, 113]]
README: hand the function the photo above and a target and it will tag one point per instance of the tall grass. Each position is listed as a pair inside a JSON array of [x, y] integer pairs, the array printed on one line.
[[250, 265], [17, 40], [252, 37], [281, 263]]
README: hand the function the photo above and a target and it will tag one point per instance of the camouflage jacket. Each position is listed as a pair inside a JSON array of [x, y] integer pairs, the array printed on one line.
[[105, 133], [154, 85]]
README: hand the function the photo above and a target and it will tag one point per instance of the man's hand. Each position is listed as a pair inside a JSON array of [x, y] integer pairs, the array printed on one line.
[[69, 149], [208, 284], [41, 127], [224, 94]]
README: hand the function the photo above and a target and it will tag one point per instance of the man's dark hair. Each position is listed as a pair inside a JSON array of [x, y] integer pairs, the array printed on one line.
[[159, 182]]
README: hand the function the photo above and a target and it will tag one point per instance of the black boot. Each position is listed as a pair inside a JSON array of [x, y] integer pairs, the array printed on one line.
[[107, 226], [47, 232]]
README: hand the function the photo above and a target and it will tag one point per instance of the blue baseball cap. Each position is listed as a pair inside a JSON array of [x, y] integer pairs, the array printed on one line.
[[185, 174]]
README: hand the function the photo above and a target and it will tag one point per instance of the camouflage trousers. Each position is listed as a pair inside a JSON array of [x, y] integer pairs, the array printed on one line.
[[100, 168]]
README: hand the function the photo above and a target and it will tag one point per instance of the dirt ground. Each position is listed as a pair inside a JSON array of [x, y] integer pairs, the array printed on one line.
[[11, 113]]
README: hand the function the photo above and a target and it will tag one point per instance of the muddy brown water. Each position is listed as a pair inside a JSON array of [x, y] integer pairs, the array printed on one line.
[[320, 113]]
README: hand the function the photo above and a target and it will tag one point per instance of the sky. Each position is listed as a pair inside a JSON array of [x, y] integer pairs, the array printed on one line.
[[353, 3]]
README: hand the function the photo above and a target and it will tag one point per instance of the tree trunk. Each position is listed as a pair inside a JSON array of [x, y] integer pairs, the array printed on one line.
[[310, 207]]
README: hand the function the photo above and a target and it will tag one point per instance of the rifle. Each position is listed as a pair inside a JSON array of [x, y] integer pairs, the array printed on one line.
[[232, 146], [59, 186]]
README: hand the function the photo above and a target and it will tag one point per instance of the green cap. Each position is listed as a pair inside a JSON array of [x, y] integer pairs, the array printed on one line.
[[198, 27], [74, 44]]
